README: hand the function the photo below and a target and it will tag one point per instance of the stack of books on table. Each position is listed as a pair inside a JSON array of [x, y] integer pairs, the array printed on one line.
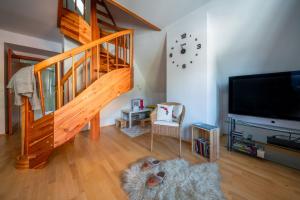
[[202, 147]]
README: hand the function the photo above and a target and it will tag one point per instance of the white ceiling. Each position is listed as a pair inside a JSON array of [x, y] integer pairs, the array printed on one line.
[[36, 18], [162, 12]]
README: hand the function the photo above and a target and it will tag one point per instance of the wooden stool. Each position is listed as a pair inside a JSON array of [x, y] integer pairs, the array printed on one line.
[[144, 122], [121, 123]]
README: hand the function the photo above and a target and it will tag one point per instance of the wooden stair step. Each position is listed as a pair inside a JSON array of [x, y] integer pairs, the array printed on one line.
[[103, 14], [108, 25]]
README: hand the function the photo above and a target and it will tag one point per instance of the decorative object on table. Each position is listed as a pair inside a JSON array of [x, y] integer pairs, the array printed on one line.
[[186, 45], [135, 131], [141, 104], [206, 141], [167, 128], [131, 116], [121, 123], [137, 104], [182, 181]]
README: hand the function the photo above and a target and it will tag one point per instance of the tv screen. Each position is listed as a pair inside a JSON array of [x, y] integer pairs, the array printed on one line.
[[275, 95]]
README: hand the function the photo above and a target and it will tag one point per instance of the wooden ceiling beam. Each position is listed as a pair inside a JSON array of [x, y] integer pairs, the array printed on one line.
[[134, 15]]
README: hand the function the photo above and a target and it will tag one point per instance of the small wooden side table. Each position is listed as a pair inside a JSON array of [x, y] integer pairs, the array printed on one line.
[[130, 113], [211, 134]]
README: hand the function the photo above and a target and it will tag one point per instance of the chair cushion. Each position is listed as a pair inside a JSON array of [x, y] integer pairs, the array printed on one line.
[[165, 123], [164, 112], [177, 110]]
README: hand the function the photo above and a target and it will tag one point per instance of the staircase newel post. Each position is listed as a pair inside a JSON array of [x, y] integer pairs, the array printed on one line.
[[23, 159], [95, 122]]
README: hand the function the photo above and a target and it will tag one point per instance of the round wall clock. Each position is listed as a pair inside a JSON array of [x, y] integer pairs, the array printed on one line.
[[184, 50]]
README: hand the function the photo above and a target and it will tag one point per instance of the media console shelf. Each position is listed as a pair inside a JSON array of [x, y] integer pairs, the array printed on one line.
[[280, 153]]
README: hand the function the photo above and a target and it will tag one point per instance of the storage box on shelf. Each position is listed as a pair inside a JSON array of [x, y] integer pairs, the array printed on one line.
[[121, 123], [206, 141]]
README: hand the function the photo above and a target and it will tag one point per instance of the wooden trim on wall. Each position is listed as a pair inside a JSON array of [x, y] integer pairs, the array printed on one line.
[[16, 56], [8, 93]]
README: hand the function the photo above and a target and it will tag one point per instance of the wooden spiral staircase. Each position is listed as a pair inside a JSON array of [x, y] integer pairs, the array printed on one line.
[[87, 79]]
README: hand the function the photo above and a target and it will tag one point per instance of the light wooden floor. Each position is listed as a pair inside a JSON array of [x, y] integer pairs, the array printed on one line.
[[91, 170]]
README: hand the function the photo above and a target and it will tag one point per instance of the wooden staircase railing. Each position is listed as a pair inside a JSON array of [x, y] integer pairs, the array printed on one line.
[[80, 57], [76, 102]]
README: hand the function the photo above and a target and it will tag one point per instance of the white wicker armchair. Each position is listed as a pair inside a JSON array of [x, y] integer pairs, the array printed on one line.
[[171, 129]]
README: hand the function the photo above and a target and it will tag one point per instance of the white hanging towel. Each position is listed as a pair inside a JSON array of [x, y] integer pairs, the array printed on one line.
[[23, 84]]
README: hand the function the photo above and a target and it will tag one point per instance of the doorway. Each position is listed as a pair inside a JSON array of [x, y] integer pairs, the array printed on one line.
[[15, 61]]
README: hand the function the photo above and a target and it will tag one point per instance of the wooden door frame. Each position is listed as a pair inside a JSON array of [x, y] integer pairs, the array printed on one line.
[[8, 108]]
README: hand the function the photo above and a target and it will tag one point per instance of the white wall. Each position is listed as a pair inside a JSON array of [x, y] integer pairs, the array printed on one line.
[[189, 86], [252, 37], [15, 38], [243, 37]]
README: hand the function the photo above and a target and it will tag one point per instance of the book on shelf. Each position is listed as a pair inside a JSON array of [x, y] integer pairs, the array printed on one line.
[[201, 147]]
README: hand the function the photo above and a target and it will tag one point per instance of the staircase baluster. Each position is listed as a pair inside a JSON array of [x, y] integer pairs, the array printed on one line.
[[68, 90], [91, 70], [120, 49], [107, 55], [124, 50], [73, 79], [84, 72], [58, 94], [86, 69], [98, 62], [41, 92], [131, 49], [116, 52]]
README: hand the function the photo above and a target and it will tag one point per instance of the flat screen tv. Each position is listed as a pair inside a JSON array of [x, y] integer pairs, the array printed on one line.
[[275, 95]]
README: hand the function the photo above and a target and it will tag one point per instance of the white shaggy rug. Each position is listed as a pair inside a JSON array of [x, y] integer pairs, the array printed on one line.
[[183, 181]]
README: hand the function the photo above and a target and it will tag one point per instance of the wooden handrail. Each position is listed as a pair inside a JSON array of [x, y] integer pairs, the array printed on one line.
[[73, 52], [94, 50]]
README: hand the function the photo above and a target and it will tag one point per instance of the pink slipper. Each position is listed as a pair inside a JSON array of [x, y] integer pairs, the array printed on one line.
[[149, 164], [155, 179]]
